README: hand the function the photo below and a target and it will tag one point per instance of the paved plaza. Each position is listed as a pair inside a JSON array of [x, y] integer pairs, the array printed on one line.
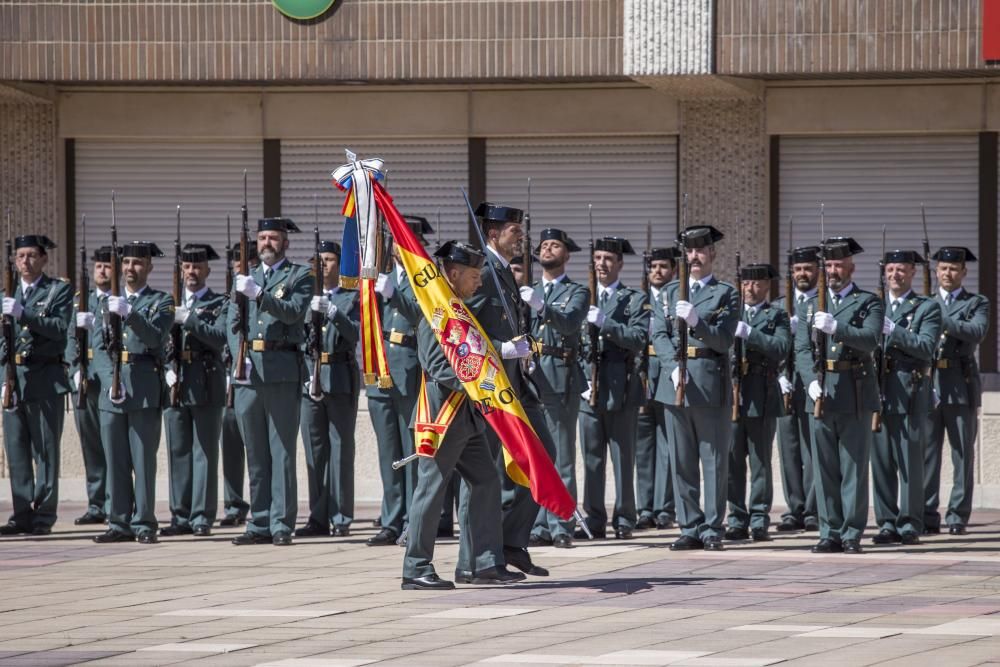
[[335, 602]]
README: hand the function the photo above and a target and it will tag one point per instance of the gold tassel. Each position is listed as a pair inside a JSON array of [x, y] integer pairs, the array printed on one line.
[[348, 283], [384, 381], [369, 378]]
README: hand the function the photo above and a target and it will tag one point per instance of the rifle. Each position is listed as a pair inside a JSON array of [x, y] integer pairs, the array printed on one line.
[[647, 261], [115, 321], [790, 309], [10, 390], [819, 347], [927, 256], [82, 306], [176, 335], [595, 334], [739, 349], [525, 321], [229, 294], [242, 327], [683, 294], [880, 351], [316, 386]]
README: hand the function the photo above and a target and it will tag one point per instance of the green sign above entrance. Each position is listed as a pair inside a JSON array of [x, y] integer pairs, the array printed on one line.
[[303, 10]]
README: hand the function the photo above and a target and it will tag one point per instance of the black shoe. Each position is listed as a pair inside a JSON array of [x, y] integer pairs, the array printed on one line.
[[282, 538], [827, 547], [810, 524], [341, 531], [202, 530], [932, 530], [89, 519], [664, 522], [886, 536], [312, 529], [147, 537], [909, 538], [852, 547], [231, 520], [580, 534], [430, 582], [623, 533], [11, 528], [789, 525], [562, 542], [521, 559], [713, 543], [735, 534], [39, 531], [463, 576], [759, 535], [110, 536], [383, 538], [956, 529], [377, 523], [446, 531], [251, 538], [687, 543], [496, 575], [538, 541], [645, 522], [173, 530]]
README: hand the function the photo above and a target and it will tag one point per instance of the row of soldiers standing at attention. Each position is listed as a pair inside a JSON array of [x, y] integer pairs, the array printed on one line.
[[648, 376]]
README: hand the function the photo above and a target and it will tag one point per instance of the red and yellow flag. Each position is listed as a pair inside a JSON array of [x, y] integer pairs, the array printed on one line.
[[477, 365]]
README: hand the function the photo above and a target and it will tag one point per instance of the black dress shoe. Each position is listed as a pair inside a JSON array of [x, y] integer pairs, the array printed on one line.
[[827, 546], [852, 547], [251, 538], [580, 534], [736, 534], [496, 575], [383, 538], [521, 559], [312, 529], [147, 537], [377, 523], [39, 531], [713, 543], [341, 531], [810, 524], [89, 519], [909, 538], [463, 576], [645, 522], [760, 535], [932, 530], [202, 530], [562, 542], [109, 536], [623, 533], [446, 531], [430, 582], [12, 528], [789, 525], [687, 543], [231, 520], [956, 529], [886, 536], [664, 522], [173, 530], [538, 541], [282, 538]]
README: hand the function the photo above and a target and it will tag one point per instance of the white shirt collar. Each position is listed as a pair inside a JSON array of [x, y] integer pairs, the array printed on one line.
[[655, 291], [129, 292], [610, 289], [554, 281], [704, 281], [944, 294], [190, 296], [275, 266], [99, 292], [752, 309], [333, 290], [900, 299], [807, 294], [25, 286], [844, 292]]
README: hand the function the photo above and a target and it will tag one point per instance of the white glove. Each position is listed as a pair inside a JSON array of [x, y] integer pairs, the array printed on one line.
[[888, 326], [246, 285], [793, 323], [675, 377], [786, 385], [181, 314], [531, 297], [825, 322], [685, 311], [121, 392], [76, 379], [171, 377], [331, 311], [815, 391], [935, 398], [247, 367], [119, 306], [320, 304], [596, 317], [3, 396], [309, 392], [384, 286], [85, 321], [12, 307], [515, 349], [742, 330], [587, 392]]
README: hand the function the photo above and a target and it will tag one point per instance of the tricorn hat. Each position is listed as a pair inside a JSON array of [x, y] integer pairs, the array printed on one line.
[[903, 257], [141, 249], [700, 236], [954, 253], [457, 252], [39, 241], [841, 247], [805, 254], [277, 224], [487, 212], [198, 252], [758, 272], [553, 234], [614, 244], [672, 254]]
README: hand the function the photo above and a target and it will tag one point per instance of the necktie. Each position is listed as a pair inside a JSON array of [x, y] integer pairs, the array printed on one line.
[[836, 301], [895, 305], [948, 300], [695, 288], [802, 299], [548, 290], [267, 276], [26, 294], [603, 298]]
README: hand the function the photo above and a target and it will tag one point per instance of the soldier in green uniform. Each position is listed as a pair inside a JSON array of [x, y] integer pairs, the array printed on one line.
[[958, 391], [330, 411], [608, 421], [654, 488], [40, 310], [130, 425], [464, 450], [234, 458], [766, 337], [392, 408], [193, 428], [910, 333], [794, 449], [267, 403], [558, 308], [87, 417], [842, 436], [700, 429]]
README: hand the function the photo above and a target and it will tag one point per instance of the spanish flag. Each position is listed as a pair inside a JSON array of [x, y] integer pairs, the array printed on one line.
[[477, 365]]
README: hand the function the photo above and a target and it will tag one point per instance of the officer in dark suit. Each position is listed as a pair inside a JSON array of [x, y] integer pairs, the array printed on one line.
[[267, 403], [39, 311], [609, 421], [193, 428], [958, 391], [330, 412], [131, 422]]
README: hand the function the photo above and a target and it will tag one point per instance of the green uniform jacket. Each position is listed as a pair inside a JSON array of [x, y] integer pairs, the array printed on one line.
[[963, 326], [400, 315], [276, 317], [859, 326], [709, 384], [340, 337], [203, 381], [766, 348], [488, 307], [41, 331], [654, 369], [98, 356], [909, 353], [622, 336], [144, 331], [558, 325]]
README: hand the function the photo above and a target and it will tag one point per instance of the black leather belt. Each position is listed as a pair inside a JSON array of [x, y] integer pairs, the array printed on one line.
[[399, 338], [843, 366], [952, 362], [334, 357], [191, 355], [134, 357], [701, 353], [35, 360], [272, 346], [564, 353], [907, 365], [757, 368], [616, 355]]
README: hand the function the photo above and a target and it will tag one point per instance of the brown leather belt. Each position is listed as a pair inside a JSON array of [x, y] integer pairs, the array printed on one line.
[[273, 346], [843, 366], [564, 353], [399, 338]]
